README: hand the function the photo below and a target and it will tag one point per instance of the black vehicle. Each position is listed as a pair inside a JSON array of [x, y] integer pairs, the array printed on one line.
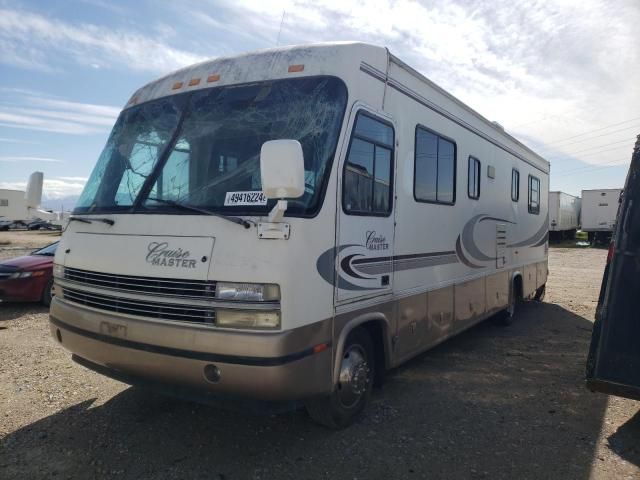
[[613, 365]]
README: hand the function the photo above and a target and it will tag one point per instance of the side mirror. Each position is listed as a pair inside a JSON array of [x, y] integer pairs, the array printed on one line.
[[282, 169]]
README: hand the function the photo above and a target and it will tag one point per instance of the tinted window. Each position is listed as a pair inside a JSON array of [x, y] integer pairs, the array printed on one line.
[[368, 169], [473, 179], [515, 185], [435, 168], [534, 195]]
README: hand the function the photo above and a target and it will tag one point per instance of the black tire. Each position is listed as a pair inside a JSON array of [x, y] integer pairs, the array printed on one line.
[[540, 292], [334, 411], [46, 293]]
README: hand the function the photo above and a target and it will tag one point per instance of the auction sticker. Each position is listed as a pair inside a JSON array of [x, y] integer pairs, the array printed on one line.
[[245, 198]]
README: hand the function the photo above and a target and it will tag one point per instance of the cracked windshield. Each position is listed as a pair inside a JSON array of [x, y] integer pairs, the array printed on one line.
[[204, 150]]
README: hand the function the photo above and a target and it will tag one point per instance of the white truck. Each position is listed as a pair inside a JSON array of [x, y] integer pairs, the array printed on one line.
[[291, 223], [599, 211], [564, 215]]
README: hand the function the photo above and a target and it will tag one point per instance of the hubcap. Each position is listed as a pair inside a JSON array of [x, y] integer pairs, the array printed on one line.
[[354, 376]]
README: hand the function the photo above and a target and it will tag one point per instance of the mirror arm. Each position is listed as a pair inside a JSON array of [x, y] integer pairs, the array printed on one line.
[[277, 212]]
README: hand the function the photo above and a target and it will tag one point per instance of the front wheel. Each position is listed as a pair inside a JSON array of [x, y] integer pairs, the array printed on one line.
[[353, 390]]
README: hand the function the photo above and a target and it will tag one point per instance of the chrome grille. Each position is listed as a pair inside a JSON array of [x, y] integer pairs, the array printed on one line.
[[146, 285], [128, 306]]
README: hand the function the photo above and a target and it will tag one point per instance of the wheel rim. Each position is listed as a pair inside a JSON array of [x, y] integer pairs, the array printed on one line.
[[354, 376]]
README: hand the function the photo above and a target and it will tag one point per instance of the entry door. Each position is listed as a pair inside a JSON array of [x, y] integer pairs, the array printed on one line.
[[366, 219]]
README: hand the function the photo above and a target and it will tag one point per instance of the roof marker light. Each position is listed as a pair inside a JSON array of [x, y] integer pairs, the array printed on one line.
[[213, 78], [296, 68], [176, 86], [194, 81]]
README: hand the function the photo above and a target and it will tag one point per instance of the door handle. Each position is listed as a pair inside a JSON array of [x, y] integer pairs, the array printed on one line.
[[384, 281]]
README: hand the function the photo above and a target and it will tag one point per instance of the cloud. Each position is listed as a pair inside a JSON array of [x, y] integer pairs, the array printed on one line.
[[29, 40], [53, 188], [15, 140], [546, 70], [44, 113], [30, 159]]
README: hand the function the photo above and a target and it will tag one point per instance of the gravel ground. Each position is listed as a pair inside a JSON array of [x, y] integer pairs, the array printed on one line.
[[491, 403]]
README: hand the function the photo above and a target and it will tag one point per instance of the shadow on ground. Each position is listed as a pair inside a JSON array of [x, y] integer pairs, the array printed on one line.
[[12, 311], [492, 403], [626, 440]]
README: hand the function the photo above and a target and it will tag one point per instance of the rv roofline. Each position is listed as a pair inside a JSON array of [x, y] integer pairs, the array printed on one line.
[[600, 189], [457, 101], [499, 132]]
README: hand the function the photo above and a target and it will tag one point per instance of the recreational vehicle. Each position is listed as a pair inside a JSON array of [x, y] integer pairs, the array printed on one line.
[[599, 210], [289, 224], [564, 215]]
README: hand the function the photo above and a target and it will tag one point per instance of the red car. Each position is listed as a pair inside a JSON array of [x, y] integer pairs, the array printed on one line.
[[28, 278]]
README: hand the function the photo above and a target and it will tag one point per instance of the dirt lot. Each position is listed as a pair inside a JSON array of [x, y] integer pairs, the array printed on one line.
[[491, 403]]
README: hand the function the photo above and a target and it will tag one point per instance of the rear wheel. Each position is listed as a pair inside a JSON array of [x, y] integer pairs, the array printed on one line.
[[47, 293], [353, 391]]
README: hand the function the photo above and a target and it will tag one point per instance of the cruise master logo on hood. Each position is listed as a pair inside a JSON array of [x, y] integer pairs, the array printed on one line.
[[161, 254]]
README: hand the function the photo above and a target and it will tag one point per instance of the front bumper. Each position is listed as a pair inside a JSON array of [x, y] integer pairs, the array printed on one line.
[[261, 365]]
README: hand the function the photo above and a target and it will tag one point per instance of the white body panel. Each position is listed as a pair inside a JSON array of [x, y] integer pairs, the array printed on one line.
[[599, 209], [564, 212]]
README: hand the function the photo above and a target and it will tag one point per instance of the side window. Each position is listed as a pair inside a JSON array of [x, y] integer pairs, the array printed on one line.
[[515, 185], [473, 178], [4, 202], [368, 170], [435, 168], [534, 195]]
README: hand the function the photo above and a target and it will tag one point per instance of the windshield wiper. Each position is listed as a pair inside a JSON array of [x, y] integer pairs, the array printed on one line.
[[186, 206], [108, 221]]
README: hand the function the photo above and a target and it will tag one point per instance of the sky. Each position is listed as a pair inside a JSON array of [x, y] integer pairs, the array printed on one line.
[[560, 75]]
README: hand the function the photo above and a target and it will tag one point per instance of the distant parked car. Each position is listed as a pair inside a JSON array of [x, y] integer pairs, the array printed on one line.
[[41, 225], [28, 278]]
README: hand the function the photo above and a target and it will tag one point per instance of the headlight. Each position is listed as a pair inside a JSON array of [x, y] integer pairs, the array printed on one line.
[[247, 319], [247, 292], [58, 271], [36, 273]]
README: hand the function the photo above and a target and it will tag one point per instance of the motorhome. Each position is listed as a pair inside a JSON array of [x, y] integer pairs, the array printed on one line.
[[564, 215], [599, 211], [292, 223]]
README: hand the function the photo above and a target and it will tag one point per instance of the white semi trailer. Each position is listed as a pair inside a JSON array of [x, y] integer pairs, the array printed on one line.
[[564, 215], [599, 211], [19, 208]]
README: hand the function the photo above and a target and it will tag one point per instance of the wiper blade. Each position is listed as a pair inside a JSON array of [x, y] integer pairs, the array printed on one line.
[[186, 206], [108, 221]]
